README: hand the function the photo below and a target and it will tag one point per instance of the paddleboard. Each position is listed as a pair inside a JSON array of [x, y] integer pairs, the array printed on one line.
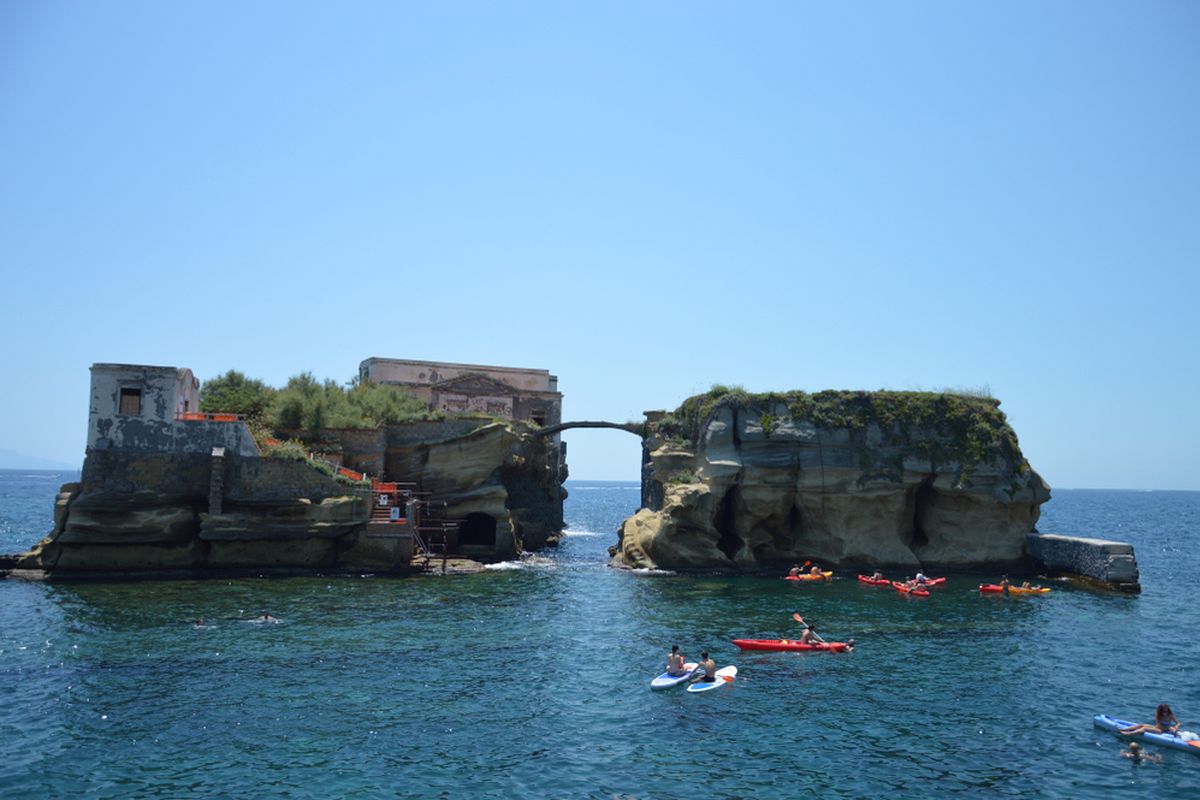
[[722, 674], [666, 680], [1165, 739]]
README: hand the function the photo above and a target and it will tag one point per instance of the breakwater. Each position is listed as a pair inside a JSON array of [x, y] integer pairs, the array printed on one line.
[[1108, 562]]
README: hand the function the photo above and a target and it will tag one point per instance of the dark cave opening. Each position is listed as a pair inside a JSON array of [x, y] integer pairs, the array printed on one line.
[[729, 543], [923, 499]]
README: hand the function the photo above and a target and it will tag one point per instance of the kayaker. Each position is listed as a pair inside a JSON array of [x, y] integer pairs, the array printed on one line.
[[710, 669], [794, 572], [878, 576], [675, 662], [1004, 584], [1164, 722], [920, 578], [810, 635], [815, 571], [1135, 754]]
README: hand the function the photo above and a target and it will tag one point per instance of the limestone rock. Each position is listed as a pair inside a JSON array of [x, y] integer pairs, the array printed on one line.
[[868, 479], [331, 518]]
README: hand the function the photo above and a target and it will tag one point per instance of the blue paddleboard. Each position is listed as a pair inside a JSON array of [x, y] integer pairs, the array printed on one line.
[[722, 674], [1165, 739], [667, 680]]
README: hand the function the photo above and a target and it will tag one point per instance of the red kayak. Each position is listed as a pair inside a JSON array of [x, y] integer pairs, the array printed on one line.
[[790, 645], [873, 582], [900, 587], [934, 582]]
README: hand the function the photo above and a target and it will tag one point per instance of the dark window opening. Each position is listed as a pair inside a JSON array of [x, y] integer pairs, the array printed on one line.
[[131, 402], [538, 418], [478, 530]]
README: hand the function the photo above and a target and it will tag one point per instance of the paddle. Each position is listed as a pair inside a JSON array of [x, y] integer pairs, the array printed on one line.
[[796, 616]]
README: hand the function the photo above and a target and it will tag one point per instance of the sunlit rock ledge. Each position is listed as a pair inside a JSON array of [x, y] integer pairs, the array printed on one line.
[[742, 482]]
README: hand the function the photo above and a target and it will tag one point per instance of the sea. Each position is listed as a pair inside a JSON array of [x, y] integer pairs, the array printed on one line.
[[531, 679]]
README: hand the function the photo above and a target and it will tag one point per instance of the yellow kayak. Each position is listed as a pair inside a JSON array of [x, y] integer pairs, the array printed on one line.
[[824, 576], [992, 588]]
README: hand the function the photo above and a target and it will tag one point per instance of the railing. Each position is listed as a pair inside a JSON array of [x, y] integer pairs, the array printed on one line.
[[207, 416]]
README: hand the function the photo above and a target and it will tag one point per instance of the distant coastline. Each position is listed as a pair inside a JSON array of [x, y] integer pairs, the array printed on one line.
[[10, 459]]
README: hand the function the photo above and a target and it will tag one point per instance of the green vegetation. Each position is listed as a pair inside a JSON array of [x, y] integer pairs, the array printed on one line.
[[683, 476], [234, 393], [292, 450], [305, 406], [939, 426]]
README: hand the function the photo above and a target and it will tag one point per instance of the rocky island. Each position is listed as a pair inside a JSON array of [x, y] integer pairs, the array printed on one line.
[[742, 481]]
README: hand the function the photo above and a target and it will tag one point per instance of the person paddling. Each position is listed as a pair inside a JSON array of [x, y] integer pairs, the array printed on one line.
[[794, 572], [810, 632], [878, 576], [675, 662], [920, 577]]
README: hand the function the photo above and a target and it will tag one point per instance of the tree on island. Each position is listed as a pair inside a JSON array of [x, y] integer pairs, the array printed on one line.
[[234, 393]]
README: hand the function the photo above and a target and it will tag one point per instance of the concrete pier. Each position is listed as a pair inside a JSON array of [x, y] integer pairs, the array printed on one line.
[[1110, 563]]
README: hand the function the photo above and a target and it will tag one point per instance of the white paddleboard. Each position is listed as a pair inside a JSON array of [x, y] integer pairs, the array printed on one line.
[[666, 680], [722, 674]]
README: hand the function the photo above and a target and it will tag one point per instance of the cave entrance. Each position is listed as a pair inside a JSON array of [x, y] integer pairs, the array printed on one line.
[[923, 500], [478, 530], [729, 543]]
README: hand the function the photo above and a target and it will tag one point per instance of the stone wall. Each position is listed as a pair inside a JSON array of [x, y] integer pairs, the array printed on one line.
[[1111, 563], [277, 480]]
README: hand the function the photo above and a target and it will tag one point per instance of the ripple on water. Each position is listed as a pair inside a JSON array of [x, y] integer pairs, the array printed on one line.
[[531, 681]]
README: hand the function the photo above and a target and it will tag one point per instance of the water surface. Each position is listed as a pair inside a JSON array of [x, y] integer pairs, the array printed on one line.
[[531, 680]]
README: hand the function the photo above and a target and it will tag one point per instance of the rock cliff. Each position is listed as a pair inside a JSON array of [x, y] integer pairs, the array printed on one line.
[[756, 482], [137, 512]]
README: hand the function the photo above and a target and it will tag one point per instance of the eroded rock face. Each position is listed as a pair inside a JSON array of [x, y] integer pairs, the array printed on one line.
[[760, 485], [136, 512]]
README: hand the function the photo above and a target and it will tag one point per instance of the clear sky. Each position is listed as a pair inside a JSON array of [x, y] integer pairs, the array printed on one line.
[[644, 198]]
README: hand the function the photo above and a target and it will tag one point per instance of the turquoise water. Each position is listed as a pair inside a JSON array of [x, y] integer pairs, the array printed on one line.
[[532, 680]]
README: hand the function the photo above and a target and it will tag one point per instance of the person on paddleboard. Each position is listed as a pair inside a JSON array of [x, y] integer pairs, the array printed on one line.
[[1164, 722], [710, 668], [675, 662]]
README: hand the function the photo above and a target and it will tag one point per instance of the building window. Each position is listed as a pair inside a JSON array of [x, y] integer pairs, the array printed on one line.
[[538, 418], [131, 402]]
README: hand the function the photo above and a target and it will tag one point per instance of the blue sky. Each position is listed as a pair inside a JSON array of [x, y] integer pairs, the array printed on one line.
[[643, 198]]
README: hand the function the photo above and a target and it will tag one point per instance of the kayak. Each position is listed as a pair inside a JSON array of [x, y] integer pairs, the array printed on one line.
[[900, 587], [1189, 741], [824, 576], [790, 645], [873, 582], [933, 582], [667, 680], [725, 677], [992, 588]]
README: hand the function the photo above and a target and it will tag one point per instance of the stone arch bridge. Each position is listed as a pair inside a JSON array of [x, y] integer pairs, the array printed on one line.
[[636, 428]]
